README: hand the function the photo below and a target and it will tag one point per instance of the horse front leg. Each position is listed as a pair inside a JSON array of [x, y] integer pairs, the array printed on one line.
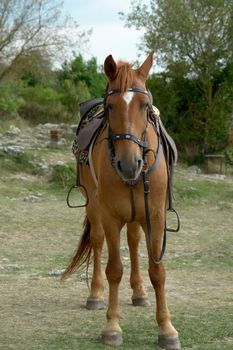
[[167, 336], [139, 297], [112, 334]]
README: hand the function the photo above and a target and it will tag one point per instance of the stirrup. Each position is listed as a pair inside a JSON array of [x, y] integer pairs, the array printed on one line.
[[68, 197], [178, 221]]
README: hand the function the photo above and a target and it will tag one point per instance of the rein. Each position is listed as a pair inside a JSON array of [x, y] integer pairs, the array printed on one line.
[[145, 172]]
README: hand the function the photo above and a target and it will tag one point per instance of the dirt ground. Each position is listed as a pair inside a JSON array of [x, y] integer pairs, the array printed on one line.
[[37, 311]]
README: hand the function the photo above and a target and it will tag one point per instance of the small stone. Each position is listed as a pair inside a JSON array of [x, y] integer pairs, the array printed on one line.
[[57, 272], [125, 258], [194, 169], [13, 131], [12, 267], [143, 255], [13, 150], [30, 198], [62, 142], [85, 276], [124, 248], [220, 176]]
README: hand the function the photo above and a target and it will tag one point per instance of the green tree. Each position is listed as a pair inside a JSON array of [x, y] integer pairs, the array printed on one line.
[[193, 41], [34, 68], [30, 25], [73, 94], [88, 72]]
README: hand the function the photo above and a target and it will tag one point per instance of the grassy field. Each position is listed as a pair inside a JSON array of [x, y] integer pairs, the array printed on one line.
[[37, 311]]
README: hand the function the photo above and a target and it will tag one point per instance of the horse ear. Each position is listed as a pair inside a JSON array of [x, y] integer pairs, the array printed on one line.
[[110, 67], [144, 69]]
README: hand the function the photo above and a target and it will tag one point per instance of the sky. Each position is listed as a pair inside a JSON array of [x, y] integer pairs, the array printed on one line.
[[109, 35]]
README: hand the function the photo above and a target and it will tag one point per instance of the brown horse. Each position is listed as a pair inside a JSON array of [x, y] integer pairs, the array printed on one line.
[[115, 191]]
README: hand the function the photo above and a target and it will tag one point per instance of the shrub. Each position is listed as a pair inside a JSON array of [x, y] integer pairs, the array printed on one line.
[[42, 105], [63, 175], [9, 101], [38, 113]]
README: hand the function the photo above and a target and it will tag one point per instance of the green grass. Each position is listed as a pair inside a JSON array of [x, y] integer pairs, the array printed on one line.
[[24, 162], [198, 190], [38, 312]]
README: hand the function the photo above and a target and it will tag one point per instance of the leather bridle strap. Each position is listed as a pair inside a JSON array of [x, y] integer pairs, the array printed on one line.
[[133, 89], [129, 137]]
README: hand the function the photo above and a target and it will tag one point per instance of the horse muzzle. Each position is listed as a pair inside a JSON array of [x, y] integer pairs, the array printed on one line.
[[129, 168]]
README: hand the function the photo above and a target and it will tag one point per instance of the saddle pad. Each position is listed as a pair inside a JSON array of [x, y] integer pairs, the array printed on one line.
[[92, 117]]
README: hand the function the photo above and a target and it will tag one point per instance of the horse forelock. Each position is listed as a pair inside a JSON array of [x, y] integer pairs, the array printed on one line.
[[125, 76]]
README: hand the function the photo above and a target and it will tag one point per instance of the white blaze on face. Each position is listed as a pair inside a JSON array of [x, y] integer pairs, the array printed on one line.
[[128, 96]]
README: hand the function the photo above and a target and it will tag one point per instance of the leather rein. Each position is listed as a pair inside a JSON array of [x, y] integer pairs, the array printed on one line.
[[146, 170]]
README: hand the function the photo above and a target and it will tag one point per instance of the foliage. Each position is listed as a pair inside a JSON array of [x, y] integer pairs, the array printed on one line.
[[63, 175], [197, 54], [73, 94], [42, 105], [30, 25], [87, 72], [197, 33], [10, 100], [39, 94], [34, 68]]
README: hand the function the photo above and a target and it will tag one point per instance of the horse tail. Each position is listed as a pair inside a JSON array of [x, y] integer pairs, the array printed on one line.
[[83, 252]]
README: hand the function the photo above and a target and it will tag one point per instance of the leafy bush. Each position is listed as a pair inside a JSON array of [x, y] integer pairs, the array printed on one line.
[[42, 105], [38, 113], [9, 101], [63, 175]]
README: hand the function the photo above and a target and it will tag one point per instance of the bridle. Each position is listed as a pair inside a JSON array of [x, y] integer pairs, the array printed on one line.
[[146, 170], [129, 137]]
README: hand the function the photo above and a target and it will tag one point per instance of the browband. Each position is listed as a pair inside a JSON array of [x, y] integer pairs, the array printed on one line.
[[132, 89]]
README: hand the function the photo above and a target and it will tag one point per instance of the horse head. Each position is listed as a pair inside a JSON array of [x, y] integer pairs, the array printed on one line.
[[127, 102]]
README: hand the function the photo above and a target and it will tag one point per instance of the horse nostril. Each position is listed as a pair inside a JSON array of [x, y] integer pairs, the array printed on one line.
[[129, 169], [119, 165], [139, 163]]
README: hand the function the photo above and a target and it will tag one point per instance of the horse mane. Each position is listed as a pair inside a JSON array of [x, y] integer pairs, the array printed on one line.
[[125, 75]]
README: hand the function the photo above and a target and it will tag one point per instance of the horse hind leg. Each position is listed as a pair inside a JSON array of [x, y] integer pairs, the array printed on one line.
[[91, 240], [139, 297], [95, 300]]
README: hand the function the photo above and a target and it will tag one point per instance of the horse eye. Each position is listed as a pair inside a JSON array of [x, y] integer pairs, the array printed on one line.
[[109, 106], [145, 106]]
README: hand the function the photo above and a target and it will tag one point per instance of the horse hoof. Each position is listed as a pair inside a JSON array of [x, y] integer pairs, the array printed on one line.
[[169, 342], [95, 304], [140, 301], [112, 338]]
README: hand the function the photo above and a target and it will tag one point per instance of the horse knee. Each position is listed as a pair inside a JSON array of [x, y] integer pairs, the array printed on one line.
[[114, 271], [157, 275]]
